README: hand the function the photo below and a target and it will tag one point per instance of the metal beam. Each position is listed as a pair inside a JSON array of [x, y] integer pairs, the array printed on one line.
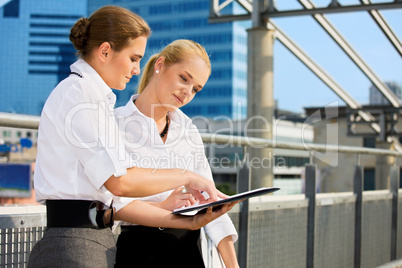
[[347, 48], [331, 9], [320, 73], [334, 7], [19, 120], [386, 29], [272, 12], [314, 67]]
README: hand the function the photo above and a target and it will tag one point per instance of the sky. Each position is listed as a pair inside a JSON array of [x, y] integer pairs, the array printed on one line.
[[295, 86], [3, 2]]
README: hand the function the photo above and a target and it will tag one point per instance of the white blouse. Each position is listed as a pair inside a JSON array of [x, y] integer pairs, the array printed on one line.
[[78, 142], [183, 149]]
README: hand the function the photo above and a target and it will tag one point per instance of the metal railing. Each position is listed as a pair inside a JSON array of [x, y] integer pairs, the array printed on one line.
[[335, 230]]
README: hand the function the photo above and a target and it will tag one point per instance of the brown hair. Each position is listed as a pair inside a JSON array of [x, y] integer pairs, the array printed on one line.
[[112, 24], [176, 52]]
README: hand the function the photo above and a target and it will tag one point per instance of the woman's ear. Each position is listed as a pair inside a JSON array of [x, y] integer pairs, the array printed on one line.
[[103, 51], [159, 63]]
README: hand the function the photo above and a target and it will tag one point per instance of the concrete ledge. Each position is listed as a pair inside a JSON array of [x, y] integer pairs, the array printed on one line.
[[393, 264]]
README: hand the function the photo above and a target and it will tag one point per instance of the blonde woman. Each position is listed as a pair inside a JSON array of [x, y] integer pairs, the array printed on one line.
[[158, 135]]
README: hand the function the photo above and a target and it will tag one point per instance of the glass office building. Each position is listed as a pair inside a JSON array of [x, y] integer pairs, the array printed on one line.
[[225, 93], [35, 50]]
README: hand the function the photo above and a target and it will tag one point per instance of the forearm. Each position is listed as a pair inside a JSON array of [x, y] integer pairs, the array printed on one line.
[[227, 250], [140, 182], [144, 213]]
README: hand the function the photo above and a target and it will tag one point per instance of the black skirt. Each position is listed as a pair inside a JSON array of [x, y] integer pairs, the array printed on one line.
[[140, 246]]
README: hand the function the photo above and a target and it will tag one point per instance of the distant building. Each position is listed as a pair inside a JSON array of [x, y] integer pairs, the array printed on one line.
[[35, 50], [337, 169], [18, 144], [225, 93], [288, 165], [376, 97]]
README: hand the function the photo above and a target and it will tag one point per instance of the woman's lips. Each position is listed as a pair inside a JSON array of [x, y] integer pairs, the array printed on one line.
[[178, 99]]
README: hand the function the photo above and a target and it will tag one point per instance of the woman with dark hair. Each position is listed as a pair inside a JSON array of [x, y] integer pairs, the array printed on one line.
[[81, 163]]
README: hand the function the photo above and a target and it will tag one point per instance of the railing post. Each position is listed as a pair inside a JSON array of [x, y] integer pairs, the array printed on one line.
[[394, 188], [243, 184], [310, 193], [358, 192]]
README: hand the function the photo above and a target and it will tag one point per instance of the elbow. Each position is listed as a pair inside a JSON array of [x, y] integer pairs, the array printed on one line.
[[118, 191], [116, 187]]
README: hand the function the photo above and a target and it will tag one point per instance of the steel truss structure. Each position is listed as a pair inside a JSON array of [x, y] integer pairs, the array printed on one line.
[[261, 12]]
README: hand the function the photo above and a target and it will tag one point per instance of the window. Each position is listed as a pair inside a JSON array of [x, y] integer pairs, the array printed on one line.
[[369, 142], [12, 9], [160, 9], [164, 25], [193, 6], [369, 179]]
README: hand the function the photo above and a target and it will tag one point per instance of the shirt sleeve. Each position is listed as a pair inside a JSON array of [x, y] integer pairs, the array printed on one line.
[[121, 202], [221, 228], [86, 121]]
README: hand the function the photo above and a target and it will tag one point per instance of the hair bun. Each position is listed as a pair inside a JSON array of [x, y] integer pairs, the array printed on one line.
[[79, 33]]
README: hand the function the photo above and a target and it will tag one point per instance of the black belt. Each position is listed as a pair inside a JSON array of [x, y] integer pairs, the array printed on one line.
[[77, 214]]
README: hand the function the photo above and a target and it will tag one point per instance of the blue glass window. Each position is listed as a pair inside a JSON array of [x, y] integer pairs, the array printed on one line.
[[12, 9]]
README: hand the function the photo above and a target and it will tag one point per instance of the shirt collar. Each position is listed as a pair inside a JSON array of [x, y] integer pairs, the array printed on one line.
[[87, 72], [178, 118]]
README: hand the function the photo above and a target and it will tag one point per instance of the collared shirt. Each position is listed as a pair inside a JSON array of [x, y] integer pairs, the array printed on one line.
[[78, 142], [183, 149]]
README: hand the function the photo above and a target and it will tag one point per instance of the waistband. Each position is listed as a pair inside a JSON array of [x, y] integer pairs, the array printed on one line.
[[67, 213], [145, 230], [140, 228]]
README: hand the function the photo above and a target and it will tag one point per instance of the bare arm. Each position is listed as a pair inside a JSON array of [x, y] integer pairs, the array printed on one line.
[[139, 182], [143, 213], [227, 250]]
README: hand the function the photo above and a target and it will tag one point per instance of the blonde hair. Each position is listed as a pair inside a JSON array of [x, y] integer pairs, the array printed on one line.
[[176, 52], [112, 24]]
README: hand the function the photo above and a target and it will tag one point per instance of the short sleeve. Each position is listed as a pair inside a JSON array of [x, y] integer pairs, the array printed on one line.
[[86, 121]]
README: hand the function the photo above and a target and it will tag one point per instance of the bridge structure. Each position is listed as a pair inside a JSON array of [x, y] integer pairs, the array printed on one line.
[[349, 229], [261, 37]]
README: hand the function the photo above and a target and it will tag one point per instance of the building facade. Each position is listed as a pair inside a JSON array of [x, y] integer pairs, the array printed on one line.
[[225, 93], [35, 51], [376, 97]]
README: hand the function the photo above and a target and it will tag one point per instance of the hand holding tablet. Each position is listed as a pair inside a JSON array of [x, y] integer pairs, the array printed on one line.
[[201, 208]]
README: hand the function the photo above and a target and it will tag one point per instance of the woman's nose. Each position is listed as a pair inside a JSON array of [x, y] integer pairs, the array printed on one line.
[[187, 90], [136, 70]]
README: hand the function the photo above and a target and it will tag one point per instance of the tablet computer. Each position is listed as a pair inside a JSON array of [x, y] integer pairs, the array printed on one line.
[[201, 208]]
